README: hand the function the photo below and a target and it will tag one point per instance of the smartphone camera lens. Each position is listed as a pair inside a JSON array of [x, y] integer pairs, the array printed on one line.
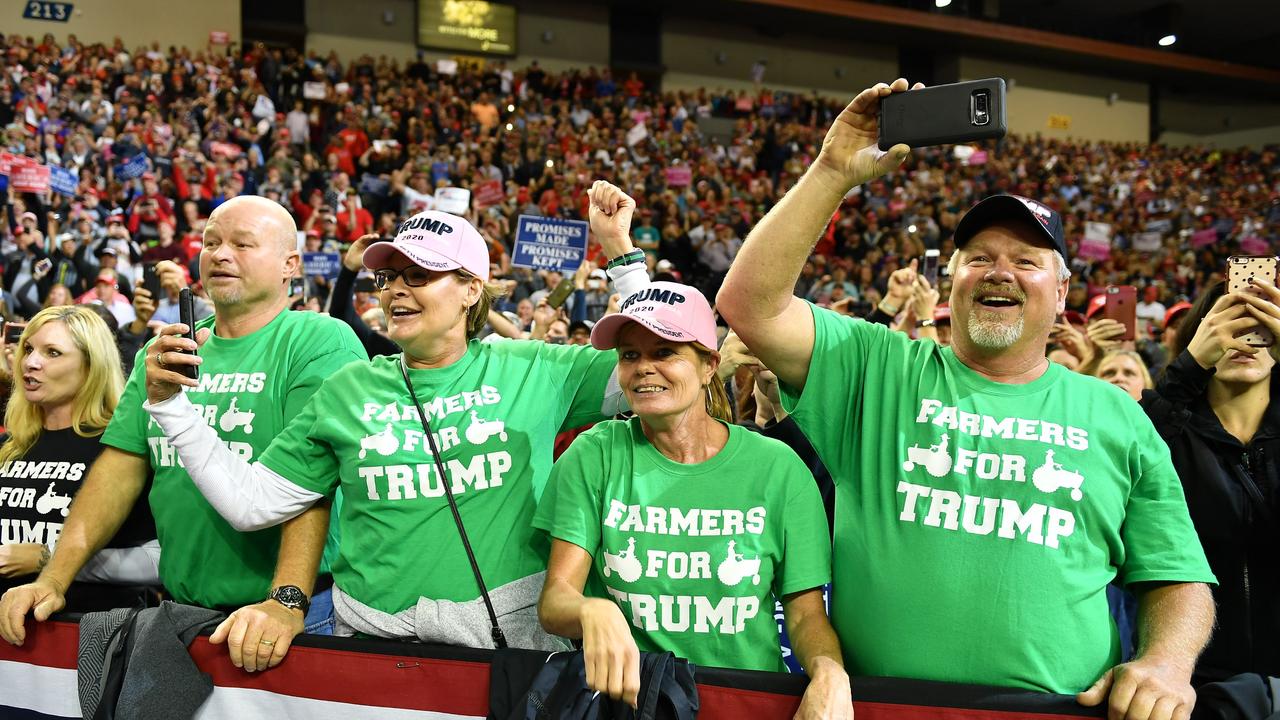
[[979, 113]]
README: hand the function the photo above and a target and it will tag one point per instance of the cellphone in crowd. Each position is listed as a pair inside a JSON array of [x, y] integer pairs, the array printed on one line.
[[42, 266], [1122, 306], [151, 281], [187, 316], [13, 332], [1240, 270], [956, 113], [557, 297], [929, 267]]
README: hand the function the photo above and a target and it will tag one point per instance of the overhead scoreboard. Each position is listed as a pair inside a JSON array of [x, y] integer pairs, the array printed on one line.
[[469, 26]]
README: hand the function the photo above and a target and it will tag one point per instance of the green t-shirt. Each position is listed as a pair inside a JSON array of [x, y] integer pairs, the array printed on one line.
[[646, 238], [250, 388], [977, 524], [494, 413], [693, 554]]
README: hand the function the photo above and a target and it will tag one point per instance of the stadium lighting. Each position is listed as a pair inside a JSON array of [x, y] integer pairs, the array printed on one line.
[[509, 127], [511, 108], [911, 228], [942, 3], [1168, 40]]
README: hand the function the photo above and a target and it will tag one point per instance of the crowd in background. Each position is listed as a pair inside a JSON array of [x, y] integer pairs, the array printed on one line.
[[352, 147], [160, 137]]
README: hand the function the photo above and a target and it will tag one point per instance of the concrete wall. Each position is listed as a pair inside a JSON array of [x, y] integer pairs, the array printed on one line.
[[136, 22], [720, 55], [1038, 93], [1254, 138], [578, 34]]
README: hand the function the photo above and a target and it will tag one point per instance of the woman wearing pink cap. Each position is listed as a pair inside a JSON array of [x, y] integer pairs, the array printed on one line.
[[449, 423], [688, 526]]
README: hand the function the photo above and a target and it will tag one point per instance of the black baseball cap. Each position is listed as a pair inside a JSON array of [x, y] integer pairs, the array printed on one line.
[[1012, 207]]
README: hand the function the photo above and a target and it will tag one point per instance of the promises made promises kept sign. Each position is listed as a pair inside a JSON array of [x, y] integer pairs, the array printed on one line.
[[544, 243]]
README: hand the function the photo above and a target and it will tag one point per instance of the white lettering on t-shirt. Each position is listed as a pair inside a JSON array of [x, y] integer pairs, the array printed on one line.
[[232, 382], [1038, 523], [437, 409], [692, 522], [1009, 428]]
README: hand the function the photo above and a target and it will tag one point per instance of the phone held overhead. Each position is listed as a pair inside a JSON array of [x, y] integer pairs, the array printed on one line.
[[943, 114], [1241, 271]]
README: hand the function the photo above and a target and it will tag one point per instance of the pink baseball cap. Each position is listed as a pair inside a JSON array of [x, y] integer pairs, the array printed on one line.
[[669, 310], [436, 241]]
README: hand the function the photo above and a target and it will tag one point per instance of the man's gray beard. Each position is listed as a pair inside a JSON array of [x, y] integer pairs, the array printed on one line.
[[993, 334]]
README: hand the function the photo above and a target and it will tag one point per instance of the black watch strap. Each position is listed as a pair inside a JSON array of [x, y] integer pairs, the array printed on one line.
[[291, 596]]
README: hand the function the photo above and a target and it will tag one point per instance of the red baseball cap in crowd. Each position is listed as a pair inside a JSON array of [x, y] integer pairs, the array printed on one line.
[[1174, 312], [436, 241], [148, 176], [115, 218], [1096, 303], [669, 310]]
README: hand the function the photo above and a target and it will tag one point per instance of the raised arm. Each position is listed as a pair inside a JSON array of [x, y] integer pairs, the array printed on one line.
[[756, 298]]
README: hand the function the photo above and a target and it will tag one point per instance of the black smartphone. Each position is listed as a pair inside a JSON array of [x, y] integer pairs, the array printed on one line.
[[929, 267], [956, 113], [187, 316], [151, 281], [13, 332]]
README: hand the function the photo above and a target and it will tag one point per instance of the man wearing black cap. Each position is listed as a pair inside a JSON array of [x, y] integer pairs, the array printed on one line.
[[985, 497]]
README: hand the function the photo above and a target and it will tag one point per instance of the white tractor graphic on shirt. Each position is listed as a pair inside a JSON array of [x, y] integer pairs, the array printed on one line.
[[480, 430], [1051, 477], [384, 443], [234, 417], [734, 568], [50, 501], [624, 563], [934, 459]]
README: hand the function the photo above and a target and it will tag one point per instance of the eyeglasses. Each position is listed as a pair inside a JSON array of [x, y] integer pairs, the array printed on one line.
[[413, 276]]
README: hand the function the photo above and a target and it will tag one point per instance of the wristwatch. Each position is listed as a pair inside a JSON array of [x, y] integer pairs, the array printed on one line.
[[926, 323], [290, 596]]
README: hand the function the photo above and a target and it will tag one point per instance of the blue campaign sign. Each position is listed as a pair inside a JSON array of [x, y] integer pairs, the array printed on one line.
[[544, 243], [325, 264], [133, 167], [62, 180]]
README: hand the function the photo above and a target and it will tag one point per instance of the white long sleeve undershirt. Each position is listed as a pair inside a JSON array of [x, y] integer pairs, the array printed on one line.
[[248, 496]]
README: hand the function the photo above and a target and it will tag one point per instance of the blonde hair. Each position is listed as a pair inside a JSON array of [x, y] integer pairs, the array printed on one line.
[[478, 314], [1147, 382], [717, 398], [98, 395]]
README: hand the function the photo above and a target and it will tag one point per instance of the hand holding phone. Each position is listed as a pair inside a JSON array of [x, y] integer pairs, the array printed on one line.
[[1241, 270], [187, 316], [151, 281], [13, 332], [943, 114], [1122, 306], [929, 267], [557, 297]]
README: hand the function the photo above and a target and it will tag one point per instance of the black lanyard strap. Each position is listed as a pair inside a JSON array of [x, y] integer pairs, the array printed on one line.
[[499, 640]]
